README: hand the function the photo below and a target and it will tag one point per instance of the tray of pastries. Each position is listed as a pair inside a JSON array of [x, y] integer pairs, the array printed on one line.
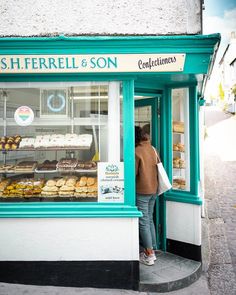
[[178, 163], [86, 165], [7, 168], [67, 164], [178, 147], [178, 126], [24, 187], [25, 166], [10, 142], [86, 187], [3, 184], [52, 141], [47, 166], [63, 186], [179, 183]]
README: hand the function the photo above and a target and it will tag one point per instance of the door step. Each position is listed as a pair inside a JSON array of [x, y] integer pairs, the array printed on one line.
[[170, 272]]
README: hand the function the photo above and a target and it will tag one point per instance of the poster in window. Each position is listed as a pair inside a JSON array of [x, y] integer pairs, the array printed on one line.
[[111, 182]]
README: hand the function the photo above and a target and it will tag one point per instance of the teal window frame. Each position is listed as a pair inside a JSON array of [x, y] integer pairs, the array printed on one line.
[[191, 196], [82, 209]]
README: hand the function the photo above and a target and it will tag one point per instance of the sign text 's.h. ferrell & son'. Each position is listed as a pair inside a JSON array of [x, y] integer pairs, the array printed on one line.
[[105, 63]]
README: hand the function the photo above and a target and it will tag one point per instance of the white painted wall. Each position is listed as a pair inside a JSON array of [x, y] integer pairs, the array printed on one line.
[[183, 222], [72, 239], [102, 17]]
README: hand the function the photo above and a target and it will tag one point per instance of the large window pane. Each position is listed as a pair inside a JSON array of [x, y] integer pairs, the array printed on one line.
[[180, 138], [54, 153]]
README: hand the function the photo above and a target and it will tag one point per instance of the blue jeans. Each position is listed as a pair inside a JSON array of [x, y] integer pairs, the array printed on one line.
[[146, 204]]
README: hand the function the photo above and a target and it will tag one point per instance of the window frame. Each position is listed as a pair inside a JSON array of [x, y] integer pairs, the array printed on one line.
[[85, 209], [192, 196]]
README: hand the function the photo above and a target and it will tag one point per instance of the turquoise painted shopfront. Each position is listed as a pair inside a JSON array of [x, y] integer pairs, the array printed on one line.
[[101, 87]]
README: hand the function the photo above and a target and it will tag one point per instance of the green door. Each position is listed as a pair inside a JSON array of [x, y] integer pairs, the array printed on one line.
[[147, 113]]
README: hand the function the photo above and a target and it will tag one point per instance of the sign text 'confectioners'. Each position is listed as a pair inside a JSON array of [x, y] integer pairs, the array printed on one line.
[[91, 63]]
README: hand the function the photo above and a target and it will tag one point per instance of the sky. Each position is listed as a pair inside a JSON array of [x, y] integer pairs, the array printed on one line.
[[219, 16]]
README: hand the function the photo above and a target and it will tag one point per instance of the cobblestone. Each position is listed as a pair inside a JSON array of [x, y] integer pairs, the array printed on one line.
[[220, 167], [222, 285]]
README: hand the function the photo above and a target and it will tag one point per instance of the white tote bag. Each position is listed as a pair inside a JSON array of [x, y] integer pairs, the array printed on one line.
[[163, 180]]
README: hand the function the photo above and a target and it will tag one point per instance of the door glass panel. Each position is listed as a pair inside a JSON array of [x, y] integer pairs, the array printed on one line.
[[180, 139], [143, 118]]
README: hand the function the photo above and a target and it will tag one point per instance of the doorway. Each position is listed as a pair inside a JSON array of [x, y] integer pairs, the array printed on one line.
[[147, 113]]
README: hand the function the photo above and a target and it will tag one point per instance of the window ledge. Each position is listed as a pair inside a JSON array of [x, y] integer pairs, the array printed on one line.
[[67, 210]]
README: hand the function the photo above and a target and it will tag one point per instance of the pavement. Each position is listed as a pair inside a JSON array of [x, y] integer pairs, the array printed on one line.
[[220, 195], [200, 287], [218, 230]]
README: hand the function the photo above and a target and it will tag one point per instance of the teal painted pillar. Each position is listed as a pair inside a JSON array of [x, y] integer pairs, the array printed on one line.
[[194, 140], [128, 142]]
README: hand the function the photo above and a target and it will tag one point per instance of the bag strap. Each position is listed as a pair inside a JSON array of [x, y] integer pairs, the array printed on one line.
[[158, 158]]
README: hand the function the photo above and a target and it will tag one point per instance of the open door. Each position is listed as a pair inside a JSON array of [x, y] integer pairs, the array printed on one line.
[[147, 113]]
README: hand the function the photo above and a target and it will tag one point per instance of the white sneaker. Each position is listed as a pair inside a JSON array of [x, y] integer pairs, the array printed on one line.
[[153, 256], [146, 259]]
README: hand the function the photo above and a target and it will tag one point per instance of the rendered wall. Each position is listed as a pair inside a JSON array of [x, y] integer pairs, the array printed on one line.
[[69, 239], [183, 222], [102, 17]]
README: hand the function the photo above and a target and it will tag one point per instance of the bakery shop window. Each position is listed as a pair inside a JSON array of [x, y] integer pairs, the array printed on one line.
[[56, 137], [180, 139]]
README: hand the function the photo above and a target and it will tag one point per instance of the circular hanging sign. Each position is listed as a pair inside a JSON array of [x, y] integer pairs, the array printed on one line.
[[62, 102], [24, 116]]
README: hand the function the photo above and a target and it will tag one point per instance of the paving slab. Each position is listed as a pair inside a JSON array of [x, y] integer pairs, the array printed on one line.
[[170, 272], [222, 279]]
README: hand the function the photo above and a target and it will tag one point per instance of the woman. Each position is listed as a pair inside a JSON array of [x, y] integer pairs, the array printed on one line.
[[146, 190]]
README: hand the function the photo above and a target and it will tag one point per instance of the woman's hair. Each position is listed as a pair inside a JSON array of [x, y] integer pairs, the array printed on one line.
[[146, 132], [140, 135]]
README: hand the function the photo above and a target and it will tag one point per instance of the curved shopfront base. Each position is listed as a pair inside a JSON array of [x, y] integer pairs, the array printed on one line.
[[183, 224], [97, 252]]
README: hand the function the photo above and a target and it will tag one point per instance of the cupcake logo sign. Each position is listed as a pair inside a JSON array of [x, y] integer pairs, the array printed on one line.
[[113, 169], [24, 116]]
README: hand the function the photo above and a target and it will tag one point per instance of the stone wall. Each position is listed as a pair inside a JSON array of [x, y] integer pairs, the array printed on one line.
[[99, 17]]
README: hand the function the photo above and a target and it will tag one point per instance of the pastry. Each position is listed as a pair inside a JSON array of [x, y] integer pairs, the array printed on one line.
[[92, 195], [92, 188], [26, 166], [51, 182], [27, 142], [7, 146], [52, 194], [178, 126], [83, 181], [14, 146], [80, 195], [3, 184], [79, 189], [50, 189], [61, 182], [66, 193], [179, 183], [67, 188], [90, 181], [48, 165], [67, 164], [80, 165]]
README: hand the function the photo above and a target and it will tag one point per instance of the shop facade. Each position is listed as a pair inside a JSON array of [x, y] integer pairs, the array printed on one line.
[[68, 110]]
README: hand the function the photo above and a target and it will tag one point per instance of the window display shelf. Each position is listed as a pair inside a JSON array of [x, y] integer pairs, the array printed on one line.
[[42, 198], [178, 133], [49, 171], [60, 122], [179, 151], [46, 149]]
